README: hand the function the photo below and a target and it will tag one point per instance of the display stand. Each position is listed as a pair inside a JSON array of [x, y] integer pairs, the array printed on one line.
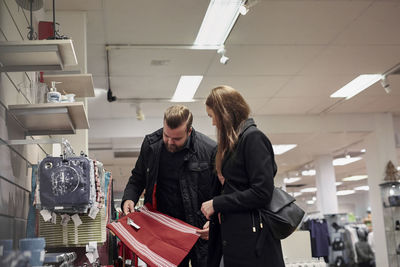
[[391, 214]]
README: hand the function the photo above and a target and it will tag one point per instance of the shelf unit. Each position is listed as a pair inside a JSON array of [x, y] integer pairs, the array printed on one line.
[[51, 118], [79, 84], [36, 55]]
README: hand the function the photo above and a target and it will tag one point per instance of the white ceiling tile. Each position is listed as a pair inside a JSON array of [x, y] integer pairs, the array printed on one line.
[[95, 28], [146, 86], [295, 22], [355, 60], [75, 5], [249, 86], [96, 58], [154, 21], [265, 60], [378, 24], [98, 108], [289, 105], [313, 85], [137, 61]]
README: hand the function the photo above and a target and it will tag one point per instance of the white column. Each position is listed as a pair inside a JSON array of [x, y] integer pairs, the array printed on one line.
[[381, 148], [325, 180]]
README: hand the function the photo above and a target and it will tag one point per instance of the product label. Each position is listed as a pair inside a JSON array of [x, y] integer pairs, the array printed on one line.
[[46, 214], [77, 221], [65, 218], [53, 218], [93, 212]]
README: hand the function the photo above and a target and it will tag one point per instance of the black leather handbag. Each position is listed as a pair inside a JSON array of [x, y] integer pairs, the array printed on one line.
[[282, 215]]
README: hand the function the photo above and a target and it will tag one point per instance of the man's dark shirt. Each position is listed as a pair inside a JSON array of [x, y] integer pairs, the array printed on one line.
[[168, 193]]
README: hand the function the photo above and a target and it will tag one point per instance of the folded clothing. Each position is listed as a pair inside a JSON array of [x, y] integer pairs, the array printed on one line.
[[161, 240]]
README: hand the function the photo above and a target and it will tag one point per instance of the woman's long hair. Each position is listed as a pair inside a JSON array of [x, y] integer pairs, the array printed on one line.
[[230, 111]]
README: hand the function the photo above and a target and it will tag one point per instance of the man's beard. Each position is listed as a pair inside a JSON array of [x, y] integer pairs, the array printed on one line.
[[173, 148]]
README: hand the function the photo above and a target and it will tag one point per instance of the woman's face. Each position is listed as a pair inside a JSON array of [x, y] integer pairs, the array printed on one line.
[[211, 114]]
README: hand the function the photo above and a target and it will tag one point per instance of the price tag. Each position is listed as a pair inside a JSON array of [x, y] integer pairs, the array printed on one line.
[[76, 219], [93, 212], [46, 214], [65, 218]]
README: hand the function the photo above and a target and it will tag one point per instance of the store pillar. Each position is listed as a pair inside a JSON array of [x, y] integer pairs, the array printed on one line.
[[325, 180], [381, 148]]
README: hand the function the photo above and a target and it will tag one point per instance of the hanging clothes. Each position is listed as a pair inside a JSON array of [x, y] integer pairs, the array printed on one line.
[[319, 237]]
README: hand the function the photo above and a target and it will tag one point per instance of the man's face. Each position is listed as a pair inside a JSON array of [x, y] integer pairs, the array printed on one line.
[[174, 139]]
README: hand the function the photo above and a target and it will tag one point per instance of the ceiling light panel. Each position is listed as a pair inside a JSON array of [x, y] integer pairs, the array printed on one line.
[[355, 178], [220, 17], [345, 161], [291, 180], [345, 192], [280, 149], [362, 188], [308, 190], [187, 87], [310, 172], [357, 85]]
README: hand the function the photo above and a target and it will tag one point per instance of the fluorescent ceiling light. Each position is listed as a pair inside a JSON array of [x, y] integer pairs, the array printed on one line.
[[296, 194], [308, 190], [291, 180], [338, 183], [362, 188], [345, 161], [186, 88], [355, 178], [345, 192], [99, 92], [220, 17], [363, 150], [280, 149], [310, 172], [310, 202], [357, 85]]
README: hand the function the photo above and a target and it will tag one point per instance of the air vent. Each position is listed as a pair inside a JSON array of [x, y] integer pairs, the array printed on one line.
[[159, 62], [126, 154], [294, 185]]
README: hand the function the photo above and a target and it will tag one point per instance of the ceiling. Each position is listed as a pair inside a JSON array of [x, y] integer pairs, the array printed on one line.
[[286, 58]]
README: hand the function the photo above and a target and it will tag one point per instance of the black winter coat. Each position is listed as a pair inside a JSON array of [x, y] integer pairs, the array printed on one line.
[[198, 182], [249, 171]]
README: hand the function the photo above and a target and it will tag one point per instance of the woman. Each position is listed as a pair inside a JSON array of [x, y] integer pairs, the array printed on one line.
[[246, 168]]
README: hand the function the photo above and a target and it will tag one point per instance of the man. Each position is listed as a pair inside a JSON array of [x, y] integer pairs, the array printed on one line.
[[175, 167]]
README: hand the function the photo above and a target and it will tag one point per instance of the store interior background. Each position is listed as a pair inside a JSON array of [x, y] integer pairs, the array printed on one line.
[[286, 58]]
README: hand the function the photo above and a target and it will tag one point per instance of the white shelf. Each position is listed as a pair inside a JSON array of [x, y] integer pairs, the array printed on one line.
[[79, 84], [37, 55], [51, 118]]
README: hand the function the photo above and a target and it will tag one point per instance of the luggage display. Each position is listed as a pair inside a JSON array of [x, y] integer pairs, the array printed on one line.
[[65, 183]]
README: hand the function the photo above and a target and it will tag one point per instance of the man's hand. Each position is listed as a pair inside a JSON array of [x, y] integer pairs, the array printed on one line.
[[129, 206], [204, 232], [207, 208]]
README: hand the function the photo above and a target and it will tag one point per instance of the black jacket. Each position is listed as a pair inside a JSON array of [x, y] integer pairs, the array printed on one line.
[[198, 182], [249, 171]]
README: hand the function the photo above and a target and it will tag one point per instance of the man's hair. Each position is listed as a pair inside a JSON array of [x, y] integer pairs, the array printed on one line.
[[175, 115]]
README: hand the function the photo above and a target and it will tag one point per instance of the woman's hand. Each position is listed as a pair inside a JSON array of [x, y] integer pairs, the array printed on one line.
[[207, 208], [204, 232]]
